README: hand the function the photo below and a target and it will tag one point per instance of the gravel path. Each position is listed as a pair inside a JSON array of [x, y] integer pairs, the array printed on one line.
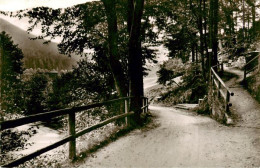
[[180, 138], [243, 104]]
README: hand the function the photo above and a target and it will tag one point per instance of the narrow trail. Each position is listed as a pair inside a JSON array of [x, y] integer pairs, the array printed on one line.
[[243, 104], [180, 138]]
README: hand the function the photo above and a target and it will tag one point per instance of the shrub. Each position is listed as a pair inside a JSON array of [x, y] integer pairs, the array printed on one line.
[[35, 94], [190, 89]]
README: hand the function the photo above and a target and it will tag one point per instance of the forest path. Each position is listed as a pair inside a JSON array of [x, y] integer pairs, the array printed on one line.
[[179, 138], [243, 104]]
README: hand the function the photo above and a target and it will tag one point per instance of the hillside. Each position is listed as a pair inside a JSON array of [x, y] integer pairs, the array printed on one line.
[[36, 54]]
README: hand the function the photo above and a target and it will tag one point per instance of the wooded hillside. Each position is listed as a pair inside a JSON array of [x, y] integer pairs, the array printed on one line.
[[37, 54]]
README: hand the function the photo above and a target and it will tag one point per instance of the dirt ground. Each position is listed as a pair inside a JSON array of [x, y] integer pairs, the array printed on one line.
[[243, 104], [180, 138]]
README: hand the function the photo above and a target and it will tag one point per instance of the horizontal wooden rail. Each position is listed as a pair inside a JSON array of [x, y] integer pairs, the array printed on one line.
[[65, 140], [256, 57], [221, 81], [101, 124], [246, 70], [47, 115], [72, 134], [251, 70], [38, 152], [221, 86]]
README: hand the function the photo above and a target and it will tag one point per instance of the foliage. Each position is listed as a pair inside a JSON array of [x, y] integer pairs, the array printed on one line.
[[191, 88], [169, 70], [204, 107], [176, 22], [237, 39], [34, 94], [84, 26], [85, 84], [15, 140], [11, 69], [36, 54], [253, 85]]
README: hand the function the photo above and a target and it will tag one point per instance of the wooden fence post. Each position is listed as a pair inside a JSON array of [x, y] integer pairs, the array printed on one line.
[[126, 111], [227, 102], [72, 143], [212, 82], [244, 80], [219, 87], [143, 104], [146, 109]]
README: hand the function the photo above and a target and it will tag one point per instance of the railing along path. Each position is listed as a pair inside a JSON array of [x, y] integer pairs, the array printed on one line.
[[251, 66], [222, 90], [71, 126]]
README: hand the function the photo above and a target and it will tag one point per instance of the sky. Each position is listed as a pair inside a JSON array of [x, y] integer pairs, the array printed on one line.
[[13, 5]]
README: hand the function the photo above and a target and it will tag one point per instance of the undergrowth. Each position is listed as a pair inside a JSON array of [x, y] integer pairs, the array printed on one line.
[[253, 86], [190, 89], [86, 144]]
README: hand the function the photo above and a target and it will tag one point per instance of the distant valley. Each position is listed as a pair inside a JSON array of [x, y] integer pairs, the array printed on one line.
[[37, 54]]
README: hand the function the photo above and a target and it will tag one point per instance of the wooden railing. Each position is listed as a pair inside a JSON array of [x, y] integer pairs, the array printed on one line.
[[251, 66], [222, 90], [71, 126]]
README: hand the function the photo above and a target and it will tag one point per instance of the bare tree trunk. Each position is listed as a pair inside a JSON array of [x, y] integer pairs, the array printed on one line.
[[243, 19], [211, 23], [201, 39], [253, 18], [252, 4], [205, 35], [213, 59], [135, 58], [1, 77], [215, 33]]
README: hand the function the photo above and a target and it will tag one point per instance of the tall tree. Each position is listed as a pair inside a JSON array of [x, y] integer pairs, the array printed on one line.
[[10, 71], [101, 26], [135, 54], [200, 26], [213, 30], [114, 60]]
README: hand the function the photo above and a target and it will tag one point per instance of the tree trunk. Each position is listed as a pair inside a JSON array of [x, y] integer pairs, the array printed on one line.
[[135, 59], [193, 52], [114, 62], [196, 53], [213, 59], [1, 77], [201, 38], [205, 35], [215, 33], [211, 23], [253, 19], [130, 13], [243, 20]]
